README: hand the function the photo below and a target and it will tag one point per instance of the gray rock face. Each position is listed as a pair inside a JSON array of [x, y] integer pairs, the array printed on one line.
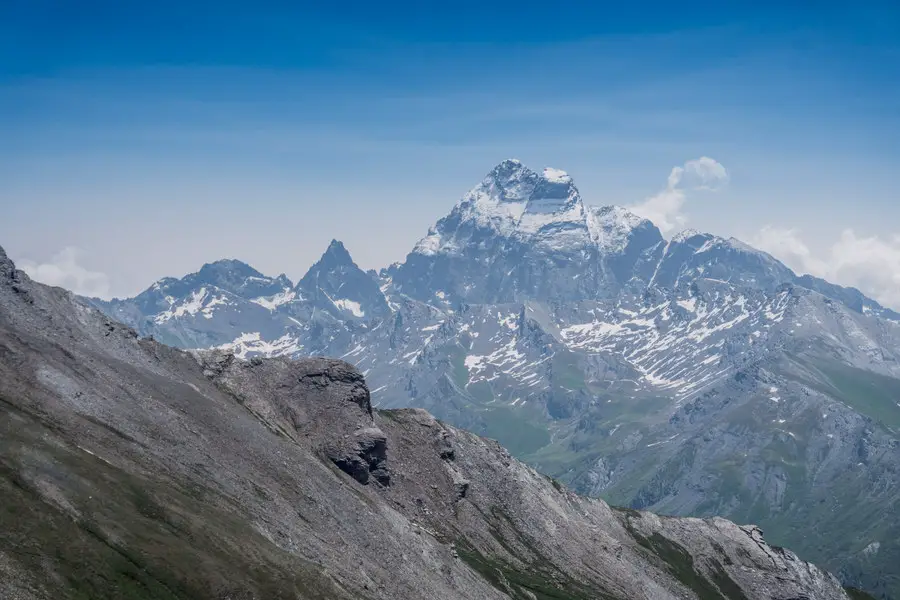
[[336, 285], [7, 268], [522, 235], [693, 376], [132, 469]]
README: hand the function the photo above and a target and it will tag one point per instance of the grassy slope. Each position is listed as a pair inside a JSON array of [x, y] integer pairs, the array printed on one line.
[[805, 521], [123, 536]]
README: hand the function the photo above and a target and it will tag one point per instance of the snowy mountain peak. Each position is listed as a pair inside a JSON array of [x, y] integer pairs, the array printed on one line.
[[705, 242], [683, 236], [163, 283], [284, 280], [514, 202], [213, 282], [336, 253], [513, 182], [335, 259], [554, 193], [619, 215], [611, 228], [509, 165], [336, 285], [228, 270], [556, 175], [510, 181]]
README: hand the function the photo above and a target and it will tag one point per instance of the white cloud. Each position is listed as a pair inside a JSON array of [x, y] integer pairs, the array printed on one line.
[[64, 270], [703, 173], [787, 246], [665, 208], [870, 264]]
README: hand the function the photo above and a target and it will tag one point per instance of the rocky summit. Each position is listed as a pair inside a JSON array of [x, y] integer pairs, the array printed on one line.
[[693, 375], [131, 469]]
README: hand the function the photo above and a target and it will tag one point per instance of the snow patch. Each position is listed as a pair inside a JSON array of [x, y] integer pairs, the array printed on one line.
[[199, 302], [556, 175], [273, 302], [252, 344], [350, 306], [689, 305]]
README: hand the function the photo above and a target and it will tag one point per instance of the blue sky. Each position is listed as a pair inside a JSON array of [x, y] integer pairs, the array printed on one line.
[[141, 141]]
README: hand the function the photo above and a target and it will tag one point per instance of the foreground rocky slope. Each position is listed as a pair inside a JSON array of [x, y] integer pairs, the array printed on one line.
[[129, 469]]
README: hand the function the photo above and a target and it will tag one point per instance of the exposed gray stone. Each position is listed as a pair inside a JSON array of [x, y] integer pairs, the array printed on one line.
[[144, 469]]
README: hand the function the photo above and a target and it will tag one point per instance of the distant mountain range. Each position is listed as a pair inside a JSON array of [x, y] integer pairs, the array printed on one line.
[[133, 470], [691, 376]]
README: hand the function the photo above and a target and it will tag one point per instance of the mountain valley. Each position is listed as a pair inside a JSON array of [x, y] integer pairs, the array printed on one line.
[[692, 376]]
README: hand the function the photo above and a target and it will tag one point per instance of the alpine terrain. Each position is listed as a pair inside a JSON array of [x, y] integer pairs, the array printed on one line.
[[130, 469], [687, 376]]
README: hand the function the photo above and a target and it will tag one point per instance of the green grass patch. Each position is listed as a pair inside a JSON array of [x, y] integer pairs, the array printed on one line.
[[513, 430], [133, 537], [856, 594], [533, 582], [680, 565], [567, 372], [481, 391], [871, 394], [458, 370]]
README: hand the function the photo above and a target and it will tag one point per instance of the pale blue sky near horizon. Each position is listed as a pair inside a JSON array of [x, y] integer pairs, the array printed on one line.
[[154, 141]]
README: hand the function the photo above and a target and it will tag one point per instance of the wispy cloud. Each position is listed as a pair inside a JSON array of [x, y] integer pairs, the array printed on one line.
[[870, 264], [666, 208], [64, 270]]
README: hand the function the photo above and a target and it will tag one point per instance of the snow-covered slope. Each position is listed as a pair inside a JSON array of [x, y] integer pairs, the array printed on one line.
[[513, 202], [676, 316], [523, 235]]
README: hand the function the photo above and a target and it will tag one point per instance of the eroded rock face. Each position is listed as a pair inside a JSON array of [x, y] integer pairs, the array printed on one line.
[[340, 417], [7, 268], [363, 455]]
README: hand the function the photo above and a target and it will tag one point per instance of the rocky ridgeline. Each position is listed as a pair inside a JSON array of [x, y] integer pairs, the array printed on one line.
[[132, 469]]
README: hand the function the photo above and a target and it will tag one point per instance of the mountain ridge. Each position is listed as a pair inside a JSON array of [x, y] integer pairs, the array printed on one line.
[[580, 339], [133, 469]]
